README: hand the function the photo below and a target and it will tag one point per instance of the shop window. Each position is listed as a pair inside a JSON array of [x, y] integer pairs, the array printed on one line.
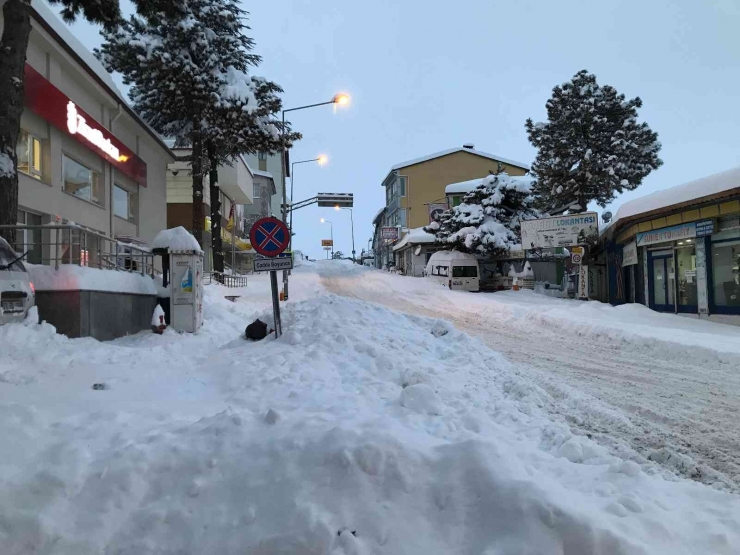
[[29, 152], [81, 181], [726, 273], [29, 240], [124, 203]]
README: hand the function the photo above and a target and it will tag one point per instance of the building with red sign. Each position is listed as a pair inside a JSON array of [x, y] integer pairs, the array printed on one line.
[[84, 155]]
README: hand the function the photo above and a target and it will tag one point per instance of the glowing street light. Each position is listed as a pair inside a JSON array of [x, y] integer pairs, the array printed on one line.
[[341, 98]]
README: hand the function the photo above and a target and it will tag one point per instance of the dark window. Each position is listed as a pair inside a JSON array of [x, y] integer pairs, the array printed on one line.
[[464, 271]]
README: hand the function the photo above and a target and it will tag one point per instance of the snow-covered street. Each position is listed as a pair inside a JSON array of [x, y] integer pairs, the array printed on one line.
[[374, 426], [667, 387]]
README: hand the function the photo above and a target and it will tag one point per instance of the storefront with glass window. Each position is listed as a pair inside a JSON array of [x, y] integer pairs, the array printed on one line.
[[691, 266], [83, 155]]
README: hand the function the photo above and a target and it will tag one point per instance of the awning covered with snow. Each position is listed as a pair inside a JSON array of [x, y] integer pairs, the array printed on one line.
[[416, 236]]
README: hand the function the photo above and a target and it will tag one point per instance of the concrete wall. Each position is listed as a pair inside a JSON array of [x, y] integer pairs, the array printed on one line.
[[426, 181], [97, 314]]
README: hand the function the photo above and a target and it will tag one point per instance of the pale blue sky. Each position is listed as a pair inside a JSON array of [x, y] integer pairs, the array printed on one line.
[[427, 75]]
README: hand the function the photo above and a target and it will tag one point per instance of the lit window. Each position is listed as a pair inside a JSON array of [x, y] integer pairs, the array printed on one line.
[[28, 150], [124, 203], [81, 181]]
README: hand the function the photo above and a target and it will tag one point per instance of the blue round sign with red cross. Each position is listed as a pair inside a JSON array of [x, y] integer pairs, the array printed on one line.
[[269, 236]]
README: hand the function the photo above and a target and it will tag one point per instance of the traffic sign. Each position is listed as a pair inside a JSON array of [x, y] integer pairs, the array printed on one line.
[[327, 242], [269, 236], [272, 264], [575, 258]]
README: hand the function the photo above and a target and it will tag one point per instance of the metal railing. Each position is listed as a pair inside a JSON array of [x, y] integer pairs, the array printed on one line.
[[55, 245], [227, 280]]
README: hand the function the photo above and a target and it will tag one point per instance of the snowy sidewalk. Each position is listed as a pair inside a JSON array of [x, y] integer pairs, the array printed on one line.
[[362, 430]]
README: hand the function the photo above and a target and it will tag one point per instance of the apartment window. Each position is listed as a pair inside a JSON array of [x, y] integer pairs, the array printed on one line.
[[401, 183], [29, 152], [124, 203], [262, 156], [256, 190], [81, 181]]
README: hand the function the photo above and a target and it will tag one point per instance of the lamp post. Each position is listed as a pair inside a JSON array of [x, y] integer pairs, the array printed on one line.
[[321, 160], [341, 99], [331, 231], [352, 220]]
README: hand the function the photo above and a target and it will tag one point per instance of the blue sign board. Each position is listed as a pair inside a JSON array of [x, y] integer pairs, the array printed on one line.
[[704, 228]]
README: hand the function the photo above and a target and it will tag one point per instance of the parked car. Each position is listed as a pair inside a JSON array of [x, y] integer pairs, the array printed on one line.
[[17, 294], [456, 270]]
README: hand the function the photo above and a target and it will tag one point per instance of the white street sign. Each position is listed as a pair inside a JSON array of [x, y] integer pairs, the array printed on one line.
[[575, 258], [272, 264]]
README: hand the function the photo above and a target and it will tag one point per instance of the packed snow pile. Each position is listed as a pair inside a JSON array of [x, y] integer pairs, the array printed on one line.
[[359, 431], [176, 239], [70, 277]]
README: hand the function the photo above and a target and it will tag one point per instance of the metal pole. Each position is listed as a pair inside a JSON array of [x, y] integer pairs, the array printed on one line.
[[275, 304], [285, 200], [352, 219], [331, 232]]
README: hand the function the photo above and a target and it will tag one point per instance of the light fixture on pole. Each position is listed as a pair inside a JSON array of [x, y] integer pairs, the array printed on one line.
[[352, 219], [331, 231], [321, 159], [339, 99]]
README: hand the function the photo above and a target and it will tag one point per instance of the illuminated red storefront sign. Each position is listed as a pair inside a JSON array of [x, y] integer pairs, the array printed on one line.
[[54, 106]]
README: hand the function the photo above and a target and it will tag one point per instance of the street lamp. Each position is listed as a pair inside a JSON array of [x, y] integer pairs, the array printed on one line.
[[352, 219], [331, 231], [339, 99], [322, 159]]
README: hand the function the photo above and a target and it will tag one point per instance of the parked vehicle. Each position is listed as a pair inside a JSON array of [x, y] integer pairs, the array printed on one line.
[[456, 270], [17, 294]]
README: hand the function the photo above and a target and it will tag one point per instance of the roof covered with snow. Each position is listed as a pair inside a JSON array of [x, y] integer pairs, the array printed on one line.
[[469, 185], [378, 214], [415, 236], [48, 18], [262, 173], [441, 153], [176, 239], [691, 191]]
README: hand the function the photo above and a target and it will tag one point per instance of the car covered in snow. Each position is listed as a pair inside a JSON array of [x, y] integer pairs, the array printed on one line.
[[456, 270], [17, 294]]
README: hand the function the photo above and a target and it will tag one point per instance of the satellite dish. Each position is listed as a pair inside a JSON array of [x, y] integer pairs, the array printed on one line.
[[606, 216]]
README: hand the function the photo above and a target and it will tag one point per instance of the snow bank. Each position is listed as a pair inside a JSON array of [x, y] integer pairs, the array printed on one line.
[[359, 432], [176, 239], [70, 277]]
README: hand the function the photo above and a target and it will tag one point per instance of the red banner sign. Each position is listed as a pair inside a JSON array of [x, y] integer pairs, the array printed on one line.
[[54, 106]]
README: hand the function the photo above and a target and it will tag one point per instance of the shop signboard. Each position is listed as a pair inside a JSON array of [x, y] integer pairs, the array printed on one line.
[[435, 210], [389, 233], [629, 254], [47, 101], [704, 228], [667, 234], [583, 282], [560, 231]]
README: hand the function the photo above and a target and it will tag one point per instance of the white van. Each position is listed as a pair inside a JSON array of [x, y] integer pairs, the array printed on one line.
[[456, 270]]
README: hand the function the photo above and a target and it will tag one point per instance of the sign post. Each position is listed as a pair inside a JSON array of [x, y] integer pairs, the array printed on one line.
[[270, 237]]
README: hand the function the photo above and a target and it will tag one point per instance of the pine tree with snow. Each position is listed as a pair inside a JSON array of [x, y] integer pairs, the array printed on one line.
[[487, 221], [591, 147], [190, 74]]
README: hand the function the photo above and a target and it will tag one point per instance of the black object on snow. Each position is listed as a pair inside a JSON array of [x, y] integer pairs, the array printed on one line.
[[256, 330]]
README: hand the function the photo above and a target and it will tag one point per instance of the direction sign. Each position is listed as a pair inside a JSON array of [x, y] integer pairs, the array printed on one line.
[[327, 242], [272, 264], [269, 236]]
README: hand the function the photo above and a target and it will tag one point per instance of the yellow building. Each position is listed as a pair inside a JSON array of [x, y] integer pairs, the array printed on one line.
[[412, 186]]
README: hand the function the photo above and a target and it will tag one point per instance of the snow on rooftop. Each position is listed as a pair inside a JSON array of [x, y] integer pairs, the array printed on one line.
[[378, 214], [70, 277], [693, 190], [458, 149], [415, 236], [469, 185], [63, 30], [176, 239], [262, 173]]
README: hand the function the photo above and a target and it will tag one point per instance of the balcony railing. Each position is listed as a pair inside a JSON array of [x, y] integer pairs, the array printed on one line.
[[55, 245]]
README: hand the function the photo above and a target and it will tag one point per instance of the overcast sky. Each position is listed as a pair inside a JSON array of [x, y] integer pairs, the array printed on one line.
[[427, 75]]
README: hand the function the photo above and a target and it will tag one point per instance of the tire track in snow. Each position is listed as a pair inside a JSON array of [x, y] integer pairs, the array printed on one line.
[[682, 406]]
